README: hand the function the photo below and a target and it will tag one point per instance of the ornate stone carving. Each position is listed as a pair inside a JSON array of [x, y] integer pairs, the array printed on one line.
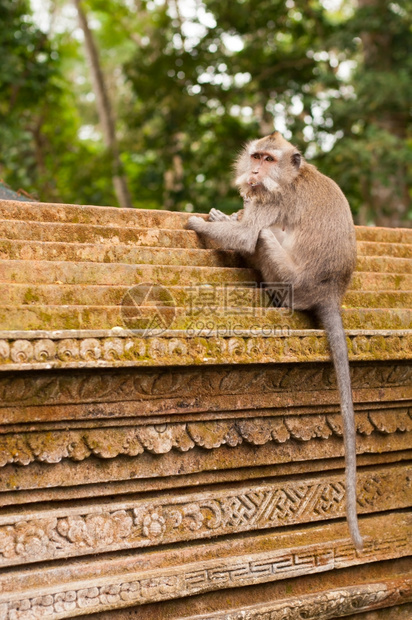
[[110, 442], [182, 349], [145, 586], [147, 384], [141, 522], [324, 605]]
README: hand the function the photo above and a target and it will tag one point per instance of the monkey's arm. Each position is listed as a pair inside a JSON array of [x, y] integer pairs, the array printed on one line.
[[229, 234]]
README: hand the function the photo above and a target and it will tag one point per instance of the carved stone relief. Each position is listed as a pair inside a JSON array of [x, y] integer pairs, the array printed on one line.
[[142, 522], [324, 605], [110, 442], [301, 346], [146, 384], [71, 599]]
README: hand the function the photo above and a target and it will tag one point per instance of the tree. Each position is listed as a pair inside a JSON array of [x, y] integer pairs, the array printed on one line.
[[39, 115], [104, 109], [216, 89], [26, 69], [371, 114], [189, 83]]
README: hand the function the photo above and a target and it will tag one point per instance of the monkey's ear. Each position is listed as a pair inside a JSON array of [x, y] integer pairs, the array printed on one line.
[[296, 159]]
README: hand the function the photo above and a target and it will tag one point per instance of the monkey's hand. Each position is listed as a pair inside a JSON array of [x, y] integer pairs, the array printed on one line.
[[197, 224]]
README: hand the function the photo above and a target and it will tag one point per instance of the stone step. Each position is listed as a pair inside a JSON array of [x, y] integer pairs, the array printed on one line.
[[103, 253], [117, 274], [234, 294], [141, 218], [384, 235], [28, 317], [384, 264], [17, 249], [146, 237], [373, 248], [109, 235], [35, 272], [372, 281], [92, 215], [378, 299], [200, 300]]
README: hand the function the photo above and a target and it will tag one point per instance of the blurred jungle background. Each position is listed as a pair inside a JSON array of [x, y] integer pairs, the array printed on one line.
[[146, 103]]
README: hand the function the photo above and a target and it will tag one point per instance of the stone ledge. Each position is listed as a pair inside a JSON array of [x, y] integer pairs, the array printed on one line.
[[113, 441], [138, 522], [122, 348], [114, 216], [324, 605], [271, 320], [374, 595], [123, 581]]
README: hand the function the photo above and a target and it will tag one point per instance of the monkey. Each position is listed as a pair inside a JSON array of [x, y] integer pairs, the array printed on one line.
[[297, 228]]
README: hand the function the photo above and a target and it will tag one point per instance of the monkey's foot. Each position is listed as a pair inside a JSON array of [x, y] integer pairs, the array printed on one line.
[[267, 235], [217, 216]]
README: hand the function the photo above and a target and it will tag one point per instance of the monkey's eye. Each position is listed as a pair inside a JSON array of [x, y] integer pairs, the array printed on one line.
[[256, 156], [270, 158]]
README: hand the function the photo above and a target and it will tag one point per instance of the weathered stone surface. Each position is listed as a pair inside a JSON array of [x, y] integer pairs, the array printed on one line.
[[17, 249], [374, 248], [125, 254], [122, 348], [202, 457], [150, 393], [85, 233], [325, 605], [170, 573], [313, 589], [223, 322], [138, 523], [111, 216]]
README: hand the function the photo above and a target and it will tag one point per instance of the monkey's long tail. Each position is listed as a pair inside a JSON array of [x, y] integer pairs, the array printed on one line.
[[331, 319]]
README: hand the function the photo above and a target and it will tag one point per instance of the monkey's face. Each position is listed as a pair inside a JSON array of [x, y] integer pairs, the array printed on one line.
[[264, 170], [267, 164]]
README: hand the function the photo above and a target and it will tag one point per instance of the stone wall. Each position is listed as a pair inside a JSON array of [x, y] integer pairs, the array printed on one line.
[[171, 446]]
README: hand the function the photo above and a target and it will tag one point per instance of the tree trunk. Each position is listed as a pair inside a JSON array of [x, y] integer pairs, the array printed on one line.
[[104, 110]]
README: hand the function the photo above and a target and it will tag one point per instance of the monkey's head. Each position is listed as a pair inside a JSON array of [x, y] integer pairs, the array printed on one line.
[[267, 164]]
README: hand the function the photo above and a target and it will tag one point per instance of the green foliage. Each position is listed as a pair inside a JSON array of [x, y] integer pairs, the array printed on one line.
[[215, 90], [372, 157], [189, 90], [39, 117], [26, 56]]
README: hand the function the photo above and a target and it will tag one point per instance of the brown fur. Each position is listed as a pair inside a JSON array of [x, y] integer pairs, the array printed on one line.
[[297, 228]]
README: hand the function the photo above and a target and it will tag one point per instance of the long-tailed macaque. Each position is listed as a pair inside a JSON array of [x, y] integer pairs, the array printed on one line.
[[297, 228]]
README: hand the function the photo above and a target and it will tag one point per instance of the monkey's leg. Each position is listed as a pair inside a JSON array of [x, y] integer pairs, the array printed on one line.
[[229, 234], [277, 256]]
